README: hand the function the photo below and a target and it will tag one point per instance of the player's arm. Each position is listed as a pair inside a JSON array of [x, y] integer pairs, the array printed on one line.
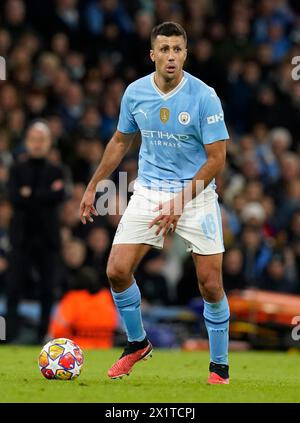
[[216, 157], [172, 210], [112, 157]]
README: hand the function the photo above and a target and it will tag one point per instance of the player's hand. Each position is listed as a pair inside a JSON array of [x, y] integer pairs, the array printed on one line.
[[87, 208], [167, 219]]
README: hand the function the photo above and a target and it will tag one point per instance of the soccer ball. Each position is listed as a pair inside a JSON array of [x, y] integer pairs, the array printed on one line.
[[61, 359]]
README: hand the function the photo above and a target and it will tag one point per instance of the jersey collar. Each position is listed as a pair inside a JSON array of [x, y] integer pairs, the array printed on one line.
[[166, 96]]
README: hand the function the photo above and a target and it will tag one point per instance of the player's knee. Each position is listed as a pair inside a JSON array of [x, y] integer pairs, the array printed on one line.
[[211, 288], [117, 275]]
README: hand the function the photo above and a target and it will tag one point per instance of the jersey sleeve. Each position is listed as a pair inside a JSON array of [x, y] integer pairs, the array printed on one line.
[[212, 123], [127, 123]]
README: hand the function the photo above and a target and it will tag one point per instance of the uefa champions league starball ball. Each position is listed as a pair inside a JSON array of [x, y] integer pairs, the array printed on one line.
[[61, 359]]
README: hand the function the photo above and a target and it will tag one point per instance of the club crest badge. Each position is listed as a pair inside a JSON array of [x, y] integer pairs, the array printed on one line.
[[184, 118], [164, 114]]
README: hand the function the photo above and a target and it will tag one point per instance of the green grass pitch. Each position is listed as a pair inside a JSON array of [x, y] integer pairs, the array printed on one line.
[[169, 376]]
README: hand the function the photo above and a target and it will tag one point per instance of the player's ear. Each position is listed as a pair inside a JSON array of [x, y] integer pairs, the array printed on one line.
[[152, 55]]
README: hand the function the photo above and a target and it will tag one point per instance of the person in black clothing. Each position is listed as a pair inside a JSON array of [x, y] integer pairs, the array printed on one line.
[[154, 287], [233, 276], [36, 189]]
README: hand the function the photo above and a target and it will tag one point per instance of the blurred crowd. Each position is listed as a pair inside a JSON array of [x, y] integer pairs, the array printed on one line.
[[69, 62]]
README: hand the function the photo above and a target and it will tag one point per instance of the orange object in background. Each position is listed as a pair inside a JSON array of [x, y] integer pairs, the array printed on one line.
[[88, 319], [264, 306]]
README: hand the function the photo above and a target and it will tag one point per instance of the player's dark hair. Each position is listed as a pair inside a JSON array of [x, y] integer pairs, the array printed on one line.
[[168, 29]]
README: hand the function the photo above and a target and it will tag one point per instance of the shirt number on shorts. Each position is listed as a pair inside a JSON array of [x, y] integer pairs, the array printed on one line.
[[209, 227]]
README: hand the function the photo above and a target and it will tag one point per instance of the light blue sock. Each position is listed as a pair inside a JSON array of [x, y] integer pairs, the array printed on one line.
[[128, 304], [216, 316]]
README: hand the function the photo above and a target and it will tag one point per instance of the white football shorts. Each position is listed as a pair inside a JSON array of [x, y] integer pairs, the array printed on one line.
[[200, 224]]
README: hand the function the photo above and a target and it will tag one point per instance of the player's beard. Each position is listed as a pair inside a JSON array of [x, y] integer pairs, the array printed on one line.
[[170, 78]]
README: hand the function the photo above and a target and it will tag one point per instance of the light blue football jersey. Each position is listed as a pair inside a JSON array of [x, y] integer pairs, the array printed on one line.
[[174, 129]]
